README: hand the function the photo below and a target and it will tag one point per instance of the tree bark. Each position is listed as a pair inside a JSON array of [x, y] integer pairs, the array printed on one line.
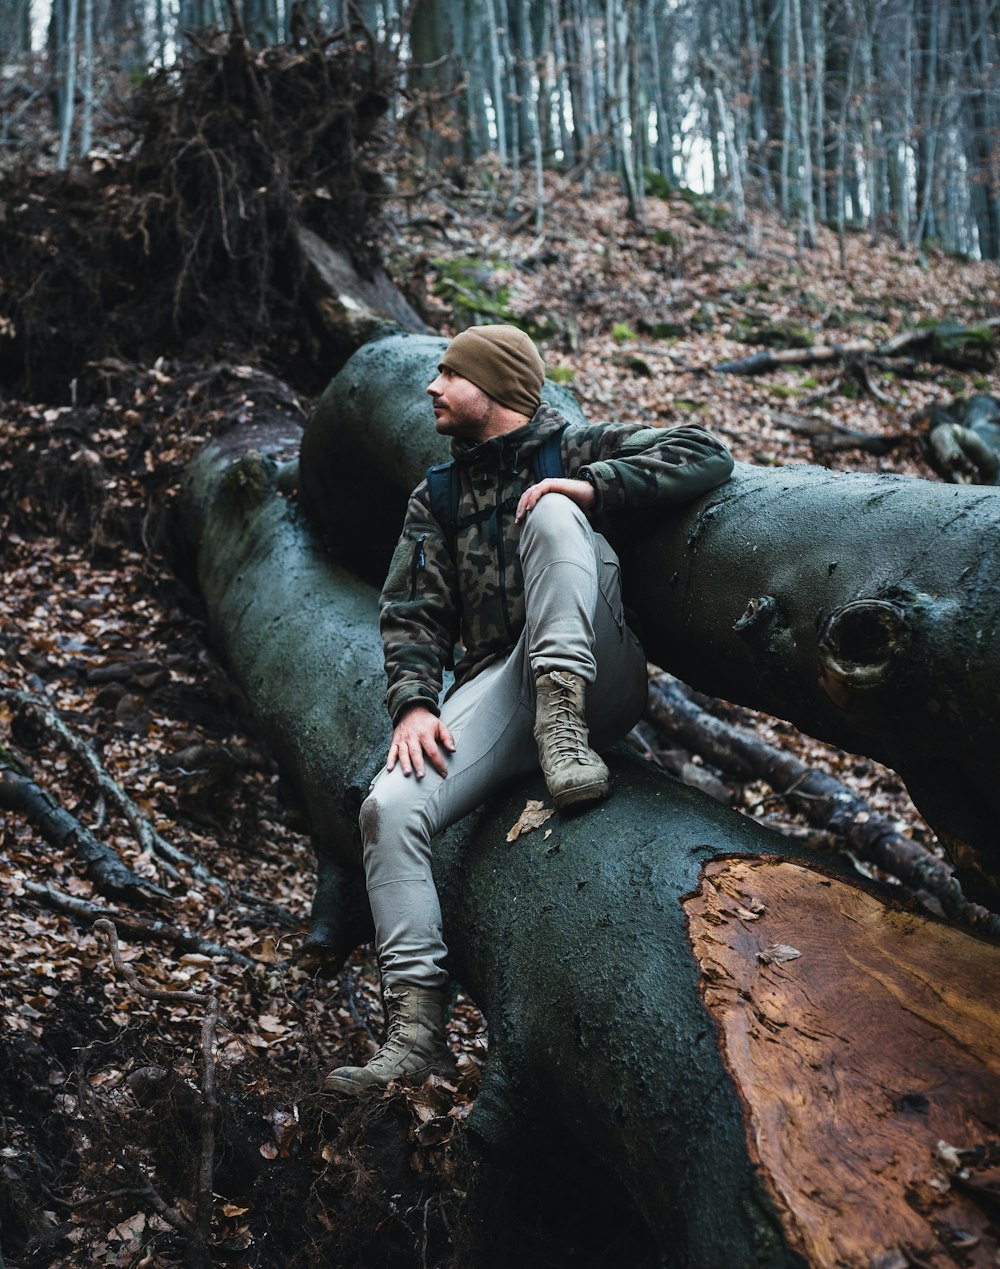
[[350, 308], [864, 609], [668, 989]]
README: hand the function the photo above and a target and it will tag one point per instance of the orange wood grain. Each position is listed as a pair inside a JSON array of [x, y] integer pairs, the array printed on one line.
[[854, 1060]]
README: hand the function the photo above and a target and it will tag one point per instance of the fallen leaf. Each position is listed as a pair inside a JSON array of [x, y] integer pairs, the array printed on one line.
[[533, 816]]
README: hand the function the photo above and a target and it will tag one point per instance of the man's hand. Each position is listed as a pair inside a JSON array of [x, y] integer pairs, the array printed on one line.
[[417, 735], [582, 493]]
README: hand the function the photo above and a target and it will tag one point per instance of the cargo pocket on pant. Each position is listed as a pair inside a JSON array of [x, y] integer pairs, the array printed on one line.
[[610, 581]]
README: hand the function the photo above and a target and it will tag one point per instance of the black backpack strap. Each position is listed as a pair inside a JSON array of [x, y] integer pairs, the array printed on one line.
[[444, 489], [444, 493], [547, 458]]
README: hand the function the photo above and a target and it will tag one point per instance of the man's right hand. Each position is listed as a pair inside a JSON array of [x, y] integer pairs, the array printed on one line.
[[417, 735]]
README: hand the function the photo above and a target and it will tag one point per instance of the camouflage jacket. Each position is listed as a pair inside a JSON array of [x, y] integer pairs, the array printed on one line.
[[466, 592]]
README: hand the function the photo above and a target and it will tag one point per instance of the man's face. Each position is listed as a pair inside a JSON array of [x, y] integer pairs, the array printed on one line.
[[460, 408]]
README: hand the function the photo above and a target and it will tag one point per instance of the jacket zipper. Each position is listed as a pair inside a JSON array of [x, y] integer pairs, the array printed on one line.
[[418, 563]]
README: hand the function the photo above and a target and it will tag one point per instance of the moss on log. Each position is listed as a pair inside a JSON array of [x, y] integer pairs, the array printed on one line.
[[625, 955], [864, 609]]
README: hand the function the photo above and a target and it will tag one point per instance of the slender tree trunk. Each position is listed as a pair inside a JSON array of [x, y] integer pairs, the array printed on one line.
[[563, 98], [787, 113], [905, 204], [87, 117], [497, 78], [664, 148], [529, 110], [983, 146], [930, 121], [866, 108], [756, 147], [807, 211], [591, 118], [817, 110], [508, 104], [623, 125], [733, 161], [68, 104]]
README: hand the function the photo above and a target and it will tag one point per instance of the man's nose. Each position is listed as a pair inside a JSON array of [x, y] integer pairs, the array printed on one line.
[[433, 388]]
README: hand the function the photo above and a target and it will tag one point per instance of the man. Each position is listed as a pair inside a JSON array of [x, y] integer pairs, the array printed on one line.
[[512, 568]]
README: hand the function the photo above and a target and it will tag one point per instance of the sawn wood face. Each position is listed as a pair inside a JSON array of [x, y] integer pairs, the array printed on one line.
[[864, 1043]]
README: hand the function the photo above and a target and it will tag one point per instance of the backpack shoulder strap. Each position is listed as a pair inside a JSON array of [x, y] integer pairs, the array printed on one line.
[[444, 487], [444, 494], [548, 463]]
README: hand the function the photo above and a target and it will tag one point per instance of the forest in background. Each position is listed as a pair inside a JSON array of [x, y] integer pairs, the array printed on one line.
[[882, 114], [153, 296]]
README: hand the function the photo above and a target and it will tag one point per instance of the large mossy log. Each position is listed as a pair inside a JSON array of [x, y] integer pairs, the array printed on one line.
[[864, 609], [764, 1052]]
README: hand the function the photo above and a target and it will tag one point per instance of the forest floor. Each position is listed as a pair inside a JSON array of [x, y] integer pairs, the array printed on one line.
[[98, 1139]]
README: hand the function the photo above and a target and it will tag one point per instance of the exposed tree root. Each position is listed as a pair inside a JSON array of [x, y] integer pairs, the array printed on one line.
[[146, 835], [19, 792], [191, 240], [143, 928]]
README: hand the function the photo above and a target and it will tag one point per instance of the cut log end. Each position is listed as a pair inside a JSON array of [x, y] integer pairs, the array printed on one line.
[[863, 1042]]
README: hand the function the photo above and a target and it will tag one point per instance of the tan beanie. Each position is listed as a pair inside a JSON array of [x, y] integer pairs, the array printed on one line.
[[502, 361]]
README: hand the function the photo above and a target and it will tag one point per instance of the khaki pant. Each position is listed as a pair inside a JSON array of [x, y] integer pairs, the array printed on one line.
[[575, 622]]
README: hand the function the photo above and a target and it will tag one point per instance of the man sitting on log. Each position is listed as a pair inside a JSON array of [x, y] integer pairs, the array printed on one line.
[[503, 557]]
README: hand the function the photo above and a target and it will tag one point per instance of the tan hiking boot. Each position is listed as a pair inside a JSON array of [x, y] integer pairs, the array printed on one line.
[[415, 1044], [573, 772]]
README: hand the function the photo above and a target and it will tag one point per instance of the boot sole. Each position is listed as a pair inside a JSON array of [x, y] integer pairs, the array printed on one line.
[[350, 1088], [586, 793]]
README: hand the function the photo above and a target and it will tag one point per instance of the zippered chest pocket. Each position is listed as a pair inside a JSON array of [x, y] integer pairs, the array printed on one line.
[[418, 563]]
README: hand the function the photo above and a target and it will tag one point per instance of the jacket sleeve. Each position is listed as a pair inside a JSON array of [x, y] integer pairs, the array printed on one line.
[[632, 468], [418, 612]]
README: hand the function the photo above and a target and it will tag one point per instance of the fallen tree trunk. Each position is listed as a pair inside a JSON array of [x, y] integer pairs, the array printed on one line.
[[864, 609], [947, 344], [716, 1022], [962, 439]]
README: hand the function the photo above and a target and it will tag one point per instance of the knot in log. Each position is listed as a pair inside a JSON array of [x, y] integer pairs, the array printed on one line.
[[861, 646]]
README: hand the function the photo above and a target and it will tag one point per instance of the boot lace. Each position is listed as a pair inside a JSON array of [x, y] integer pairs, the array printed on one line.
[[394, 1041], [567, 737]]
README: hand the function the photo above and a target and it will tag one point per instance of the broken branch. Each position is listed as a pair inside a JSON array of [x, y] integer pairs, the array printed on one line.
[[946, 343], [823, 800]]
